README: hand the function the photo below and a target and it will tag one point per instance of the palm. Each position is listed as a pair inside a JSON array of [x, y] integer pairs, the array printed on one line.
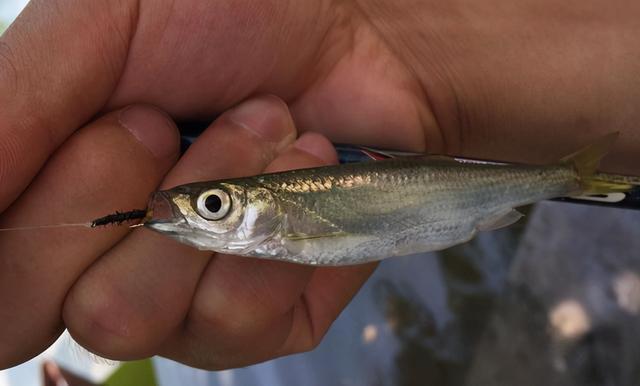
[[195, 61], [371, 73]]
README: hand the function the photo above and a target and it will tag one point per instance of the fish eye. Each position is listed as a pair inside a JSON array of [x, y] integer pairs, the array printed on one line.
[[214, 204]]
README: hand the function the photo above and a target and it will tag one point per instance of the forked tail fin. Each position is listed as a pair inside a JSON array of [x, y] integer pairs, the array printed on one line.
[[586, 162]]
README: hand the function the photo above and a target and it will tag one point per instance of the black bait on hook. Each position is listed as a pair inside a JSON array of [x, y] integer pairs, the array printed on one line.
[[119, 218]]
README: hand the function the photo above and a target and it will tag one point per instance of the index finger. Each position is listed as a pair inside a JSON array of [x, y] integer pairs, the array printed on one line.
[[58, 64]]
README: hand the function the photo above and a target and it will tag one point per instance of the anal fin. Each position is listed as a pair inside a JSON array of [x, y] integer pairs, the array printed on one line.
[[499, 220]]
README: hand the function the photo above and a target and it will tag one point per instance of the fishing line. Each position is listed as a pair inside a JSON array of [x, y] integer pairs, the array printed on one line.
[[35, 227], [117, 218]]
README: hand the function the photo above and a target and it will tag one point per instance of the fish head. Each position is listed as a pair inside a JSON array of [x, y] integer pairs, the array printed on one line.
[[217, 216]]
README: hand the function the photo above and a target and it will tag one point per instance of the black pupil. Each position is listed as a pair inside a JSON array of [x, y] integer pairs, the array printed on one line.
[[213, 203]]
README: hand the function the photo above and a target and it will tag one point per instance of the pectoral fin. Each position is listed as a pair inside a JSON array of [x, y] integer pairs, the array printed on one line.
[[499, 220], [300, 236]]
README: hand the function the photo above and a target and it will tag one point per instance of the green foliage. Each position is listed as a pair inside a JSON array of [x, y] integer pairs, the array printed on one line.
[[138, 373], [3, 26]]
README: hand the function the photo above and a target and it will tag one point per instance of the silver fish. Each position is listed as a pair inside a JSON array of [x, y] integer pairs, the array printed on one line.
[[356, 213]]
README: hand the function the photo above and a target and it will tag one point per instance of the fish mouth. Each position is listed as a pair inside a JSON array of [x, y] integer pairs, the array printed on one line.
[[164, 216]]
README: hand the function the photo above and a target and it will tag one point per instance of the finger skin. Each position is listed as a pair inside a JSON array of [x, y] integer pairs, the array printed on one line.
[[328, 292], [55, 74], [127, 304], [102, 168]]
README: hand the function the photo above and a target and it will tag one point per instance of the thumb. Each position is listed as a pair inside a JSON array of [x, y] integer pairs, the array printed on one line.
[[59, 62]]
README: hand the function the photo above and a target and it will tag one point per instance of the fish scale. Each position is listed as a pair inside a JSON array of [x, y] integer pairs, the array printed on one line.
[[360, 212]]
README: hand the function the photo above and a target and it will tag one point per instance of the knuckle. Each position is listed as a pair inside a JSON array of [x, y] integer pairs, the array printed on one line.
[[219, 349], [233, 303], [305, 334], [100, 321], [305, 343], [309, 344], [230, 321]]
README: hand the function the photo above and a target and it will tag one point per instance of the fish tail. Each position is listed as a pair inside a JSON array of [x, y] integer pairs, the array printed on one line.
[[597, 186], [631, 183], [586, 162]]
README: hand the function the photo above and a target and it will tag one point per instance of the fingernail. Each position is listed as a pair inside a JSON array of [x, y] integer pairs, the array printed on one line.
[[318, 146], [267, 117], [152, 127]]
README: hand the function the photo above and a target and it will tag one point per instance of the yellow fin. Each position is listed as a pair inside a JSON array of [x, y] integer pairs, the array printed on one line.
[[597, 186], [586, 162]]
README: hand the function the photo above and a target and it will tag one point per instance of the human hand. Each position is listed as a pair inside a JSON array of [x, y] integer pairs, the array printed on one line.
[[473, 80]]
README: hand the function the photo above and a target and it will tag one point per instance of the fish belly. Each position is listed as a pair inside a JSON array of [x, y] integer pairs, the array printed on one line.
[[359, 249], [431, 210]]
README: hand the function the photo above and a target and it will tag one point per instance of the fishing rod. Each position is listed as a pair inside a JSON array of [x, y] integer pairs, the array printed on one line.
[[353, 154], [348, 154]]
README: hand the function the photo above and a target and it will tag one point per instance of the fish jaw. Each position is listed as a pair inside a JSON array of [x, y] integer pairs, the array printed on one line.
[[186, 235], [253, 221], [168, 219]]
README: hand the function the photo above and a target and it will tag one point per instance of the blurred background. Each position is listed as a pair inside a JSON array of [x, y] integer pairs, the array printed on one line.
[[552, 300]]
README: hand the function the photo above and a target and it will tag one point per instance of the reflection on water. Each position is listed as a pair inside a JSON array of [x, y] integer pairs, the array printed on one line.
[[404, 315], [474, 275], [555, 305], [418, 358]]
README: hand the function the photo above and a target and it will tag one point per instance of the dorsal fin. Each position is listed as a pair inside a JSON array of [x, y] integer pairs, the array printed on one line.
[[587, 160]]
